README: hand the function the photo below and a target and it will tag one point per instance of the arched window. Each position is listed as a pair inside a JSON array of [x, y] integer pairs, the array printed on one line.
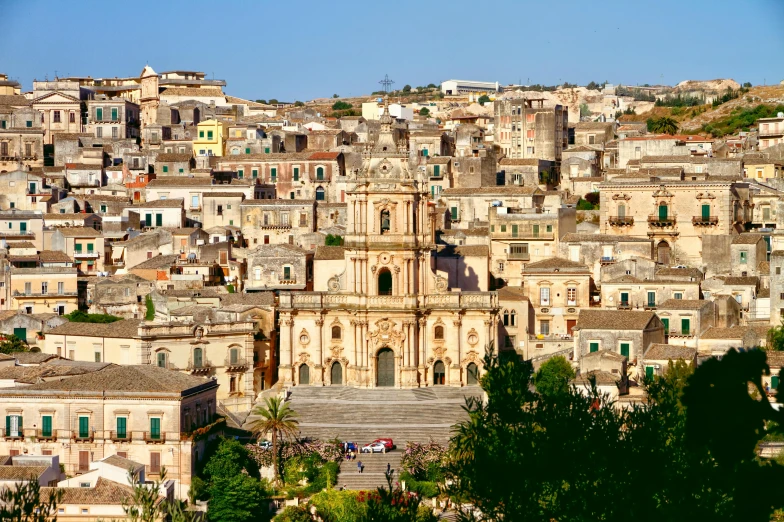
[[385, 282], [320, 174], [438, 333], [385, 222], [162, 359], [336, 332], [320, 194], [234, 355], [197, 358], [506, 317], [513, 318]]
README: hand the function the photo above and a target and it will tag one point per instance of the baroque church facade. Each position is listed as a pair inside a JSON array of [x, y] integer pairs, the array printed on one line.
[[384, 317]]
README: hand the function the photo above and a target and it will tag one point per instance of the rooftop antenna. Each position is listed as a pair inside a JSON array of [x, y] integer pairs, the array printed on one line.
[[387, 83]]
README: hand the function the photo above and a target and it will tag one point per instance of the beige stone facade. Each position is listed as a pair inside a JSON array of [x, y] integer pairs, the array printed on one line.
[[387, 319]]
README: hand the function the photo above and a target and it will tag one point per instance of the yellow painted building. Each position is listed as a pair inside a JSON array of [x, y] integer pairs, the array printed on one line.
[[210, 138], [762, 169]]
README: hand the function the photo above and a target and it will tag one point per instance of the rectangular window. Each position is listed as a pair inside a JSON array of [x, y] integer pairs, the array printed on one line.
[[286, 273], [46, 425], [56, 116], [266, 150], [593, 346], [677, 295], [29, 123], [240, 173], [28, 288], [209, 135], [122, 427], [165, 169], [13, 426], [625, 350], [274, 174], [201, 134], [148, 220], [666, 322], [766, 213], [158, 220], [544, 296], [536, 230], [624, 298], [84, 460], [44, 288], [247, 150], [454, 213], [651, 299], [114, 114], [544, 327], [296, 173], [99, 132], [571, 296], [503, 228], [255, 173], [685, 326], [194, 201], [514, 230], [84, 427], [743, 258], [155, 428], [436, 171], [99, 114], [72, 118], [155, 462]]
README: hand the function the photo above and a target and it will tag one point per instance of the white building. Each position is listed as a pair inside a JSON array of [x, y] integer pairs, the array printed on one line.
[[466, 87], [373, 111]]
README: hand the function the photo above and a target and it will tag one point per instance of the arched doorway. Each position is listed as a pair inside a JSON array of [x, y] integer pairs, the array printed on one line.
[[472, 375], [385, 222], [304, 374], [337, 374], [663, 252], [384, 282], [385, 368], [439, 373]]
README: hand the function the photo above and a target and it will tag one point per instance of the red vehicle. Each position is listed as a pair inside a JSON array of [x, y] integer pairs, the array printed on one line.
[[388, 444]]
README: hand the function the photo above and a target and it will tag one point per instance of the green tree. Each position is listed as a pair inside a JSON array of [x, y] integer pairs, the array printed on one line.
[[275, 418], [78, 316], [663, 125], [333, 240], [230, 458], [299, 513], [263, 102], [146, 505], [341, 106], [484, 99], [432, 86], [593, 86], [406, 88], [424, 111], [150, 306], [747, 85], [273, 101], [392, 504], [298, 104], [24, 502], [584, 110], [335, 96], [13, 344], [775, 338], [554, 376], [237, 498]]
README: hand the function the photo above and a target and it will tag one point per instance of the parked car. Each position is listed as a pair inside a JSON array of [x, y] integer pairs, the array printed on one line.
[[386, 442], [265, 444], [374, 447]]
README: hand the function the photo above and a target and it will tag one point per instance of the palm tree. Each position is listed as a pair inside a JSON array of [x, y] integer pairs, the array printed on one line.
[[278, 420], [664, 125]]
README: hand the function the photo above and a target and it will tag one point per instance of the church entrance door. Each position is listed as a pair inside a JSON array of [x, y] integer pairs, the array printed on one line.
[[337, 374], [439, 373], [385, 368], [304, 374]]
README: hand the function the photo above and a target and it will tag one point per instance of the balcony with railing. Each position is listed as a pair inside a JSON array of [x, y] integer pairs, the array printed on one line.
[[12, 434], [704, 221], [45, 435], [518, 256], [83, 436], [624, 305], [89, 254], [235, 364], [620, 221], [120, 436], [151, 437], [202, 367], [661, 221], [681, 333]]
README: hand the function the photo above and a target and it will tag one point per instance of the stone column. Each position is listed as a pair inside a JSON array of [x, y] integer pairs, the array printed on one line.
[[459, 324], [286, 349], [422, 346], [319, 366]]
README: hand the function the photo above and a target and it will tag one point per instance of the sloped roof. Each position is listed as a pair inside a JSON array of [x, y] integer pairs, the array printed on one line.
[[329, 253], [123, 328], [554, 263], [665, 352], [747, 239], [614, 319], [684, 304]]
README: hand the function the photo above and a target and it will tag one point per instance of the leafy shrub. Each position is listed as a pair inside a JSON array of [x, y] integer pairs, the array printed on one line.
[[333, 240], [484, 99], [341, 106], [584, 205], [592, 198], [339, 506], [299, 513], [77, 316], [423, 488], [424, 461]]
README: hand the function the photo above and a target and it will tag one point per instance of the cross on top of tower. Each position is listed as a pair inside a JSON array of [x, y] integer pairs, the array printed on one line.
[[387, 83]]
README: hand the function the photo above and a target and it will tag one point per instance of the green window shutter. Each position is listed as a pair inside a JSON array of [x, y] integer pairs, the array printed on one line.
[[291, 195], [22, 227], [320, 173], [436, 170], [549, 228], [624, 298], [685, 326], [161, 360], [158, 220], [99, 113], [705, 211], [662, 212], [255, 173], [114, 113], [148, 220], [266, 150], [594, 347], [241, 173], [181, 171], [29, 123], [651, 298], [536, 230], [649, 372], [78, 248], [743, 258], [503, 228], [165, 168], [122, 427], [296, 173], [84, 427], [247, 150], [666, 322], [274, 174], [201, 134], [287, 272], [514, 230], [46, 425], [231, 222], [7, 425], [774, 382], [454, 213], [209, 134], [90, 248], [424, 152], [155, 428], [21, 333], [625, 350]]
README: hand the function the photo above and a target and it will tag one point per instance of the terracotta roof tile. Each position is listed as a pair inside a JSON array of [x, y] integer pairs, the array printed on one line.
[[329, 253], [125, 328], [613, 320], [667, 352]]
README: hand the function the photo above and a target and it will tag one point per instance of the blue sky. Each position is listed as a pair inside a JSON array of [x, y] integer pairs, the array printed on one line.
[[312, 48]]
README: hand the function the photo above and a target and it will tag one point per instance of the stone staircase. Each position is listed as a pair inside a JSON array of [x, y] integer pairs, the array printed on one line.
[[363, 415], [373, 474]]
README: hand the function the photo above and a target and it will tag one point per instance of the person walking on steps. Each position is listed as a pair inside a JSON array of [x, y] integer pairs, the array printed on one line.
[[389, 468], [359, 466]]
